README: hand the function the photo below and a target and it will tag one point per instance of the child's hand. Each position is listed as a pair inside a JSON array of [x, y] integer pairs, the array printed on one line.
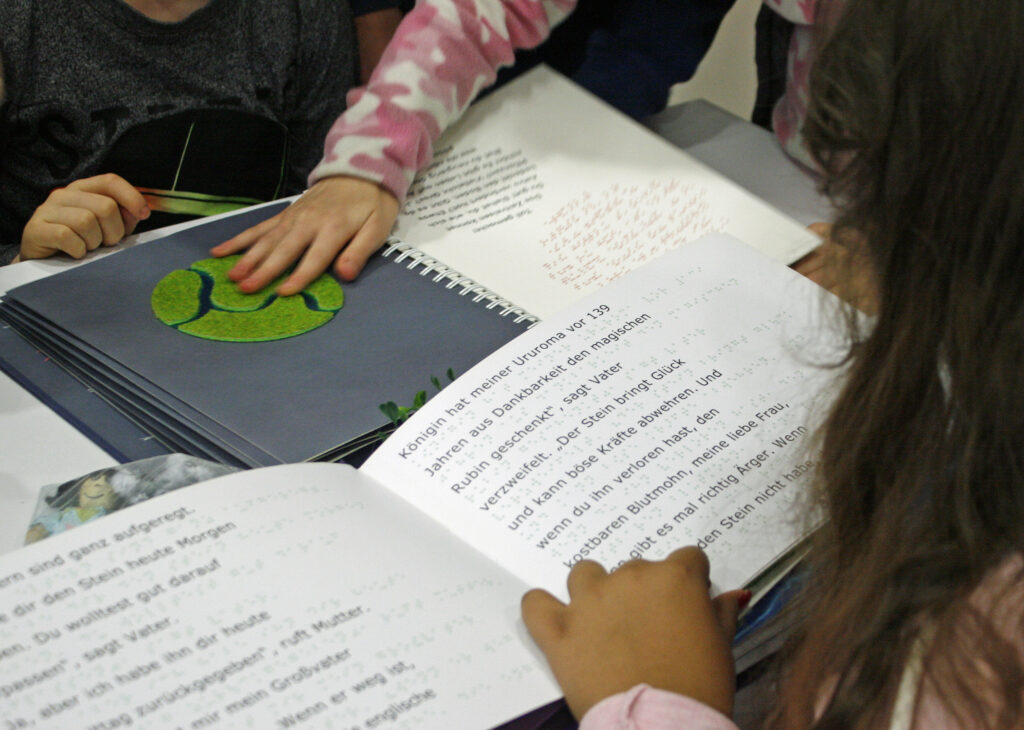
[[648, 622], [90, 212], [820, 264], [840, 267], [340, 219]]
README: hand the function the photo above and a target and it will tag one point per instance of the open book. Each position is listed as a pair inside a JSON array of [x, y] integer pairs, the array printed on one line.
[[669, 408], [543, 193], [540, 195]]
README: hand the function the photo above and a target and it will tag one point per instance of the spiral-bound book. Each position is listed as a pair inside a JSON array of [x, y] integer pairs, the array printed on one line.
[[539, 196], [399, 331]]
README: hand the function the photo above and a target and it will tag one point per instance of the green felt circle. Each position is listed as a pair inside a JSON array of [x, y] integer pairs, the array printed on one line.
[[203, 302]]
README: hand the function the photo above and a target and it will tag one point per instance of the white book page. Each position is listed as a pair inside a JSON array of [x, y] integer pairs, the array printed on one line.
[[294, 596], [670, 408], [542, 193]]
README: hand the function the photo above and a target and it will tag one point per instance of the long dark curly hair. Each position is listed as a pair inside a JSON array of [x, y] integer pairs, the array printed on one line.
[[917, 122]]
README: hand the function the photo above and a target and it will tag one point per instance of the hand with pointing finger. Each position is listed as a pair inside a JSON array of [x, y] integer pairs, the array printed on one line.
[[648, 623]]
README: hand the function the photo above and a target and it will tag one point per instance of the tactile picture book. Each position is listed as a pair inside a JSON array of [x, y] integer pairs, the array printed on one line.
[[261, 402]]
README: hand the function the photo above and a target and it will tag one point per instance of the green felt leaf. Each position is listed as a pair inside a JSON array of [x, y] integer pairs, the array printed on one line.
[[175, 298], [390, 409]]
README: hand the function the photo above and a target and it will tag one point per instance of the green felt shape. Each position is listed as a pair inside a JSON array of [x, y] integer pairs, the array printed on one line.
[[176, 297], [325, 291], [203, 302], [285, 317], [226, 294]]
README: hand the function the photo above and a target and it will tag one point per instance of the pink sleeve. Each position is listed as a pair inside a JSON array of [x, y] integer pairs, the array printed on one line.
[[791, 109], [646, 708], [442, 55], [800, 12]]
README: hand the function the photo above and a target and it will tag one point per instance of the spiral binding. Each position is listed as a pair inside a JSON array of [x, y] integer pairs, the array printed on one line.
[[443, 272]]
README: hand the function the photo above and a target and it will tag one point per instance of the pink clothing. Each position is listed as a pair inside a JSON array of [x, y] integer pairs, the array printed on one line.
[[446, 51], [790, 110], [646, 708], [442, 55]]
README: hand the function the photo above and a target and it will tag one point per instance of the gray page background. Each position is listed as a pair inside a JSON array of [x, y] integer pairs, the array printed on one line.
[[296, 397]]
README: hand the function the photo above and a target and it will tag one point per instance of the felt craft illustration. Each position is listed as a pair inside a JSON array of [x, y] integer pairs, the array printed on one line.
[[203, 302], [399, 414]]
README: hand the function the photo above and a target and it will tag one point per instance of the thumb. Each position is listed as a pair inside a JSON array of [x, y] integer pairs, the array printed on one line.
[[130, 220], [727, 608]]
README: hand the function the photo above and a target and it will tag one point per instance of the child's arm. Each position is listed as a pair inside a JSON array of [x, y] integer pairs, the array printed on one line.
[[76, 219], [443, 53], [648, 623]]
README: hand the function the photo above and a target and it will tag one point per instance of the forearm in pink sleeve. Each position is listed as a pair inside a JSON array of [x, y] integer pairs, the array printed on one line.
[[646, 708], [442, 55]]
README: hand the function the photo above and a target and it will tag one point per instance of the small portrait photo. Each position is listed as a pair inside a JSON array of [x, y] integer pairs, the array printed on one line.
[[63, 506]]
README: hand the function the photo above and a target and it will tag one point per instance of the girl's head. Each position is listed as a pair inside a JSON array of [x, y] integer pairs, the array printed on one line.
[[96, 491], [917, 120]]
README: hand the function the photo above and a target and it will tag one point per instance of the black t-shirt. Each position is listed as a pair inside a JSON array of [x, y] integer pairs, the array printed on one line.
[[231, 103]]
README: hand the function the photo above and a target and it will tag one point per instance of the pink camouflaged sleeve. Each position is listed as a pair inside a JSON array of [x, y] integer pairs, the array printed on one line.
[[442, 55], [790, 111]]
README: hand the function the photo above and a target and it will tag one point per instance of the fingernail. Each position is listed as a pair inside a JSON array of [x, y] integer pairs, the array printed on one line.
[[744, 599]]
